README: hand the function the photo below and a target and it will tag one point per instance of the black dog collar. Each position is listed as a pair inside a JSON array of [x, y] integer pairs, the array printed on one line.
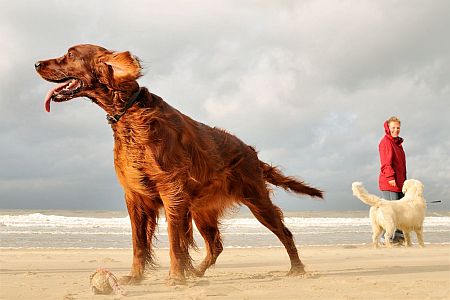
[[116, 118]]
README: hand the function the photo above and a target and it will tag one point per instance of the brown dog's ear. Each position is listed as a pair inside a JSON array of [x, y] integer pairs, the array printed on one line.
[[126, 67], [118, 67]]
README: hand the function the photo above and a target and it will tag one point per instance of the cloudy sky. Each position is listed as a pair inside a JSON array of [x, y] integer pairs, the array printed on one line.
[[308, 83]]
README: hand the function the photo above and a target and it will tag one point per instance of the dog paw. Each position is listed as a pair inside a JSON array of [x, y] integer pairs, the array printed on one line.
[[130, 280], [171, 281], [296, 271], [195, 273]]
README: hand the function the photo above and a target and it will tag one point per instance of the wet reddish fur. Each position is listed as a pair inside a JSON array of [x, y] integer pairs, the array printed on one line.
[[164, 159]]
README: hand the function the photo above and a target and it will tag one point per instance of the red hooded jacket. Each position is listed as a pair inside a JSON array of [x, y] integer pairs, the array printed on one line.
[[393, 162]]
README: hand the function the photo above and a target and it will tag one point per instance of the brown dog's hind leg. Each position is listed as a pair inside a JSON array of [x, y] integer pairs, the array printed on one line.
[[207, 225], [271, 217]]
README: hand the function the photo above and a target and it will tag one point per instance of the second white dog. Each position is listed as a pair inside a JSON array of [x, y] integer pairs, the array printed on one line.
[[406, 214]]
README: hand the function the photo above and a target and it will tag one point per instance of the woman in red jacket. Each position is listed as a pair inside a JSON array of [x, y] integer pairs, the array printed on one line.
[[393, 164]]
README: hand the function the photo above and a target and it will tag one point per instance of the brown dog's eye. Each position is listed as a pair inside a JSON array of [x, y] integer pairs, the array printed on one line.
[[70, 55]]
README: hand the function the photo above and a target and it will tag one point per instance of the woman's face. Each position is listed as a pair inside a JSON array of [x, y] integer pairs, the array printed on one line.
[[394, 128]]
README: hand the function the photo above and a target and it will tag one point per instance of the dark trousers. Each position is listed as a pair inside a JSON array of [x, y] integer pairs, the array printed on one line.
[[388, 195]]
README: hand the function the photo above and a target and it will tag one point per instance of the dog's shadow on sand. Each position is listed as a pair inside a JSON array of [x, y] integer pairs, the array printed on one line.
[[262, 277], [392, 270]]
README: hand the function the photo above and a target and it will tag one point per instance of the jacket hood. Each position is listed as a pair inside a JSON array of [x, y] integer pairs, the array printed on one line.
[[386, 128], [397, 140]]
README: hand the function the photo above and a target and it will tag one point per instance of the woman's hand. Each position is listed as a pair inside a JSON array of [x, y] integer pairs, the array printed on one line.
[[392, 182]]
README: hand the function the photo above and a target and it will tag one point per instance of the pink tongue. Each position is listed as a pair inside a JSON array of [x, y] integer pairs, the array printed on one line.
[[48, 97]]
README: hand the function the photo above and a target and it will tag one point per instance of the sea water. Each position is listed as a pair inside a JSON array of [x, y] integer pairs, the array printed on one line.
[[101, 229]]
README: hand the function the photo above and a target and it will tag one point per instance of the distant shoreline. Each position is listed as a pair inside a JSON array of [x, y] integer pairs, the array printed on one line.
[[231, 214]]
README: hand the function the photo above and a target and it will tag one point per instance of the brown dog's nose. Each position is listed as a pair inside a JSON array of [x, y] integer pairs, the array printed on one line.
[[37, 65]]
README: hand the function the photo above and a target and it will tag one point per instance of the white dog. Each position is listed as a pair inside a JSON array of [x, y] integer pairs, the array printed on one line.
[[406, 214]]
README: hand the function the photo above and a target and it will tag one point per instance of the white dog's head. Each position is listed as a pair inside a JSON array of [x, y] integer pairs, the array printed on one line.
[[413, 186]]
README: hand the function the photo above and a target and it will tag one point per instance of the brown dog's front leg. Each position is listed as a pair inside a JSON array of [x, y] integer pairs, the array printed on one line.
[[180, 239], [142, 223], [176, 273]]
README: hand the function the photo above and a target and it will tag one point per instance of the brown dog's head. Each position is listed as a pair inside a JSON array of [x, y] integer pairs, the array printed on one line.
[[88, 71]]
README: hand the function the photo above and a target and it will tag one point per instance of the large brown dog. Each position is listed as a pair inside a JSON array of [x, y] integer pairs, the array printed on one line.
[[165, 159]]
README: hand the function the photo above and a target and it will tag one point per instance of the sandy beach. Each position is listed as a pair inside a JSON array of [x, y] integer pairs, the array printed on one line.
[[334, 272]]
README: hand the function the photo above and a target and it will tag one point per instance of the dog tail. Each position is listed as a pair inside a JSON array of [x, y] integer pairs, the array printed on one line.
[[275, 177], [361, 193]]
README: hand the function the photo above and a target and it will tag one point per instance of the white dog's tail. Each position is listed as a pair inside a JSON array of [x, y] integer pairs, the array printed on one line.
[[361, 193]]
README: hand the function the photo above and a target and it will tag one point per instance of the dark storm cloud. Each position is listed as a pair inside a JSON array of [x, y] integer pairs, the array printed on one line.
[[308, 83]]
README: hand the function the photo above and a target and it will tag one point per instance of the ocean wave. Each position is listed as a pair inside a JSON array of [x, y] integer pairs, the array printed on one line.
[[47, 230], [38, 220]]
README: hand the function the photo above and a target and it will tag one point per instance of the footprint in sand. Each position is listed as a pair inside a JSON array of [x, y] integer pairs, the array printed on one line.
[[109, 260], [222, 291], [200, 283], [258, 276]]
